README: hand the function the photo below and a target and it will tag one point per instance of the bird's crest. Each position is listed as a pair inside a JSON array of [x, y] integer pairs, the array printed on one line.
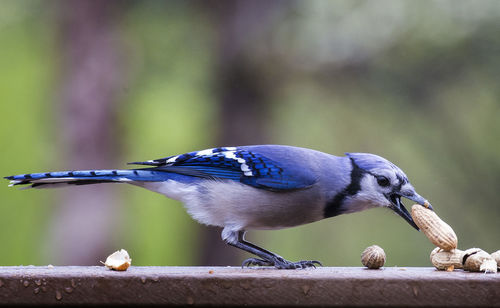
[[372, 162]]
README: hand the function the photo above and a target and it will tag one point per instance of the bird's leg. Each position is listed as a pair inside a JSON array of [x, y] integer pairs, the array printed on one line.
[[237, 239]]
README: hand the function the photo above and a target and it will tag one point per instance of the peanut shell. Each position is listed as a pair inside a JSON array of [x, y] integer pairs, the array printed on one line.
[[444, 260], [436, 230], [373, 257], [488, 266], [474, 257], [496, 257], [118, 261], [434, 251]]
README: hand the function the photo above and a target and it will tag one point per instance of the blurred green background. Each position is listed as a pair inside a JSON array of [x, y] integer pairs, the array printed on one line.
[[416, 82]]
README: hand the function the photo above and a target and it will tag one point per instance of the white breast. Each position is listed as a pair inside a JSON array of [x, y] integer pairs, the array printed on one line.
[[242, 207]]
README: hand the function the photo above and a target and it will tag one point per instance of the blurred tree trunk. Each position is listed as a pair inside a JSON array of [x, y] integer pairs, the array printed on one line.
[[92, 79], [242, 95]]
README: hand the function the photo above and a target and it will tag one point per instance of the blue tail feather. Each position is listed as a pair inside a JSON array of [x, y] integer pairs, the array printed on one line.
[[83, 177]]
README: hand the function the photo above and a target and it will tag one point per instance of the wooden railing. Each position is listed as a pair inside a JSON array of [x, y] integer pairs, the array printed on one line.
[[324, 286]]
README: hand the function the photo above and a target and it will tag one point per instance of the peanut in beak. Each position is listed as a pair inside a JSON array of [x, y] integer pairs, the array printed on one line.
[[436, 230]]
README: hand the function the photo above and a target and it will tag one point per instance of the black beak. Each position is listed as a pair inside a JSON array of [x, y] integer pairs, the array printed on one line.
[[398, 207]]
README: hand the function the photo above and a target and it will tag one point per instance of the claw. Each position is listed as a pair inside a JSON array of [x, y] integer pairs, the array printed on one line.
[[306, 264], [281, 263], [317, 262], [255, 261], [284, 264]]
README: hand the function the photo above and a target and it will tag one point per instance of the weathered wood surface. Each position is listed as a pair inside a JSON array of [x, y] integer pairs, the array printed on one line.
[[330, 286]]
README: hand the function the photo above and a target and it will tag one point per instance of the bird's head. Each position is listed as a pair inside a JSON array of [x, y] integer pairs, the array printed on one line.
[[381, 183]]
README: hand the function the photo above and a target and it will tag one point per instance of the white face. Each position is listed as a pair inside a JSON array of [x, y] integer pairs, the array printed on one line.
[[382, 184], [378, 186]]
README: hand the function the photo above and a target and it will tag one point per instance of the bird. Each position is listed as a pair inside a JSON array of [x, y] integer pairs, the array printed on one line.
[[258, 187]]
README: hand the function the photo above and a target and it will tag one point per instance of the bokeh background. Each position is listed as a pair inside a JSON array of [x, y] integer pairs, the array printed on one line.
[[96, 84]]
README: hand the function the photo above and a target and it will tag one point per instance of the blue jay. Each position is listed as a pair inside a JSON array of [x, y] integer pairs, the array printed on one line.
[[258, 187]]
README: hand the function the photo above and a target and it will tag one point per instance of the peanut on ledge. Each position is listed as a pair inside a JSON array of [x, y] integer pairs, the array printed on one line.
[[446, 256], [447, 260], [496, 257], [373, 257], [478, 260]]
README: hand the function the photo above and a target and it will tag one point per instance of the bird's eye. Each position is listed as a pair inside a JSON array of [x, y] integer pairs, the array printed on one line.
[[383, 181]]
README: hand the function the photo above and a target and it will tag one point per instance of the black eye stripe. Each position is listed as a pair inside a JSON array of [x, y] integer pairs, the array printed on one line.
[[398, 188], [402, 180]]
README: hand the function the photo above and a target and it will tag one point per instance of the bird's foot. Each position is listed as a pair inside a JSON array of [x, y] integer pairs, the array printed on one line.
[[285, 264], [281, 263], [255, 261]]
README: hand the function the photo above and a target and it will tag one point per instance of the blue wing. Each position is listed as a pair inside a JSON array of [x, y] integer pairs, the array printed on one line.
[[233, 163]]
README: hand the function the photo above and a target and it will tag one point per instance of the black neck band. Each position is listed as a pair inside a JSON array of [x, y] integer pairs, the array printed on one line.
[[334, 206]]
